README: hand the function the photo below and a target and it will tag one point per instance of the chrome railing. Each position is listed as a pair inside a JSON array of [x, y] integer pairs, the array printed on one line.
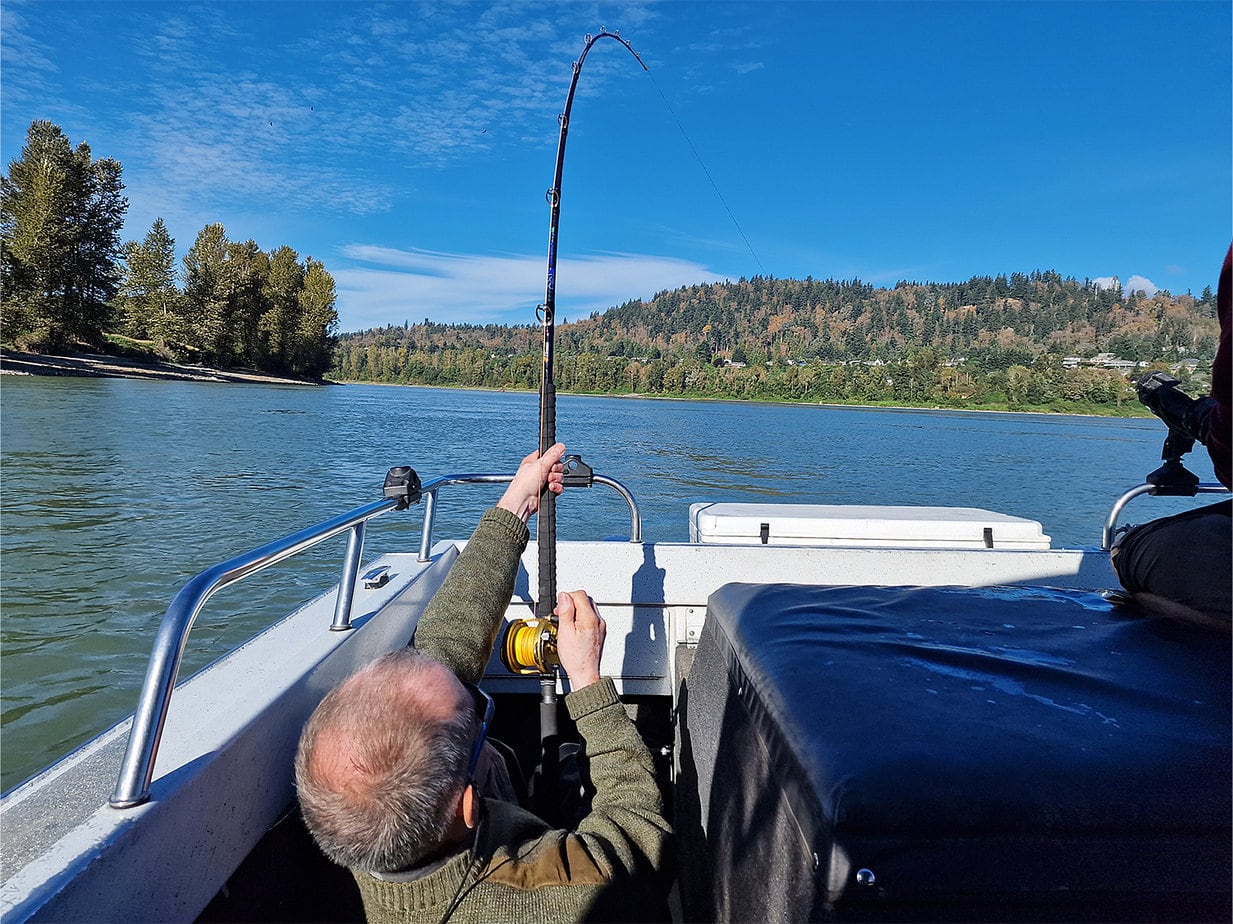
[[137, 766], [430, 489], [1106, 539]]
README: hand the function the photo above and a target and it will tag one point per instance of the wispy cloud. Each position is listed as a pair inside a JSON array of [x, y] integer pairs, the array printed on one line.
[[410, 285], [222, 115], [20, 49]]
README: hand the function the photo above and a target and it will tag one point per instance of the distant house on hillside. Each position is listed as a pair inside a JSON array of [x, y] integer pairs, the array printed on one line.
[[1109, 361]]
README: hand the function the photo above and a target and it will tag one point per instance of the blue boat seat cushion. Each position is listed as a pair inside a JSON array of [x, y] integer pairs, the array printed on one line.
[[910, 753]]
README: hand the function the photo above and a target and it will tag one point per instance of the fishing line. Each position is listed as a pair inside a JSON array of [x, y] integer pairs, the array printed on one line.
[[702, 164]]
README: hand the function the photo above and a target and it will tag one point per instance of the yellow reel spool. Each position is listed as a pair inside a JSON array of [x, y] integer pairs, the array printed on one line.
[[530, 646]]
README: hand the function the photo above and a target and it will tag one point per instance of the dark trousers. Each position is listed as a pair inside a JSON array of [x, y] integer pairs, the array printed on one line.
[[1186, 560]]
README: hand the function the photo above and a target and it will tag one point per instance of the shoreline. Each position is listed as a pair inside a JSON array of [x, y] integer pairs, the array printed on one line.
[[1039, 412], [98, 365]]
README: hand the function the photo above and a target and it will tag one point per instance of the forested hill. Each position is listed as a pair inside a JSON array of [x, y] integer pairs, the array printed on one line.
[[1027, 340]]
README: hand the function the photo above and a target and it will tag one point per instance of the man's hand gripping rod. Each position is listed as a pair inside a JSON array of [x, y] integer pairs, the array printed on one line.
[[530, 645]]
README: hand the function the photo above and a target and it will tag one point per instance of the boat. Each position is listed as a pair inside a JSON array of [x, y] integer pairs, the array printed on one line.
[[187, 810], [856, 712]]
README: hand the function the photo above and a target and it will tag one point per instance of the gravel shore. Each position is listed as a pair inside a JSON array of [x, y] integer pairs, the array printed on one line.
[[97, 366]]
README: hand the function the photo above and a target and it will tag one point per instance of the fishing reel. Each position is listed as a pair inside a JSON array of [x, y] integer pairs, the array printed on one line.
[[530, 646]]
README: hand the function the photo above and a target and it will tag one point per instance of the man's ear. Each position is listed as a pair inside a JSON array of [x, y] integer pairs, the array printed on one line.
[[470, 806]]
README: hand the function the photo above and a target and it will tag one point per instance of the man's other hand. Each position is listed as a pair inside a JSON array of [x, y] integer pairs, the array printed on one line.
[[521, 498], [580, 638]]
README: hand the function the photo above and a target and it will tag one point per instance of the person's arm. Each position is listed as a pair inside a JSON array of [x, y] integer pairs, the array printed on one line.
[[626, 830], [460, 623]]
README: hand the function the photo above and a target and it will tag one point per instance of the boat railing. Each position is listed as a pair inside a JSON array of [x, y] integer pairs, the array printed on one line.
[[401, 490], [1110, 530], [430, 502]]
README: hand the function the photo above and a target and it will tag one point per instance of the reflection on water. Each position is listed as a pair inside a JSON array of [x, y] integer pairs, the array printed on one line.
[[116, 492]]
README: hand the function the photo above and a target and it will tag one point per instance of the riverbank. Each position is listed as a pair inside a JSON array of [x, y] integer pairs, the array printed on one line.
[[1125, 410], [94, 365]]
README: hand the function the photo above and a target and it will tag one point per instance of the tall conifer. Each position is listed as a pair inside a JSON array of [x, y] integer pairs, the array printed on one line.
[[60, 217]]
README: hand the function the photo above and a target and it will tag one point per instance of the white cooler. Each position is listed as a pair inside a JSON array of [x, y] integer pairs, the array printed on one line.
[[861, 526]]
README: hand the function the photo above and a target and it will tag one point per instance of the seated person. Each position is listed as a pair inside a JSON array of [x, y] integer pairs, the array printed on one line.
[[388, 763], [1182, 566]]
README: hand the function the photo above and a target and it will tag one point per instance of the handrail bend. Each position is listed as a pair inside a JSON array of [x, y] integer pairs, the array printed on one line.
[[1106, 539], [430, 488], [137, 767]]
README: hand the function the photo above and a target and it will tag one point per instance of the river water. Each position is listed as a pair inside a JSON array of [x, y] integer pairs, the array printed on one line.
[[114, 492]]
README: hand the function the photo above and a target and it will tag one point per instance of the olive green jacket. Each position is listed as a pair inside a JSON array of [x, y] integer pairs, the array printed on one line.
[[519, 869]]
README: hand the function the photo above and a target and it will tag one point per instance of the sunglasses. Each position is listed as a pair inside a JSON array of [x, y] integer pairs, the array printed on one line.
[[484, 708]]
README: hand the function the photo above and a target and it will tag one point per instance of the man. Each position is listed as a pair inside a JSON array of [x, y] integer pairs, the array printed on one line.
[[387, 765], [1182, 566]]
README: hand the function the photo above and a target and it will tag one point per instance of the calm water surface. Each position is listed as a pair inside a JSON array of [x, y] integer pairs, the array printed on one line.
[[113, 493]]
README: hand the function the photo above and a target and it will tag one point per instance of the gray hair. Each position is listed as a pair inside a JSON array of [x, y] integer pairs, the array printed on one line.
[[376, 776]]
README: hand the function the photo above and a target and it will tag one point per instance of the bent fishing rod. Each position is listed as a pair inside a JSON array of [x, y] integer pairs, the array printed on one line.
[[530, 647]]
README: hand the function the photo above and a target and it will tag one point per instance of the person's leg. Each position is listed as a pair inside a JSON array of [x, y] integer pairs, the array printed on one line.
[[1181, 566]]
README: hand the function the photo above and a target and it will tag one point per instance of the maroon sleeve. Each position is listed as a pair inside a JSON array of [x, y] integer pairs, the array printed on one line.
[[1221, 421]]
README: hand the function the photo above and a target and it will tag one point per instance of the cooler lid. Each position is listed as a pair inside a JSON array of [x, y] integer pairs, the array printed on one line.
[[788, 522]]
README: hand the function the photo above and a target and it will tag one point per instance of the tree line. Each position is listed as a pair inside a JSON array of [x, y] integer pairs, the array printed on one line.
[[1023, 341], [68, 282]]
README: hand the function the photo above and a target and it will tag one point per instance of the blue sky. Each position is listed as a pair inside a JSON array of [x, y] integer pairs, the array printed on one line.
[[408, 146]]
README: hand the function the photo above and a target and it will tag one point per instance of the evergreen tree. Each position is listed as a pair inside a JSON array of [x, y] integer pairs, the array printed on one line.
[[148, 304], [205, 293], [60, 217], [280, 325], [248, 269], [314, 345]]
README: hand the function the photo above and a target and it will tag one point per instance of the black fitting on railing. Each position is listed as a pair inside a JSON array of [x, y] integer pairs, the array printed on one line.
[[402, 483], [1173, 479], [576, 473]]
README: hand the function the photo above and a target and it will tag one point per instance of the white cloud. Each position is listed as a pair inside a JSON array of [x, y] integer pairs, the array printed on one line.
[[410, 285], [1141, 283], [1133, 284]]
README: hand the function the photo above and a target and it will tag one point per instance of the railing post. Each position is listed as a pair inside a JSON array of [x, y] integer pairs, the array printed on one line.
[[430, 510], [350, 573]]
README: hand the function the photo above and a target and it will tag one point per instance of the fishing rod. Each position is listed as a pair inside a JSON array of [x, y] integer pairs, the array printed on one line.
[[530, 646]]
